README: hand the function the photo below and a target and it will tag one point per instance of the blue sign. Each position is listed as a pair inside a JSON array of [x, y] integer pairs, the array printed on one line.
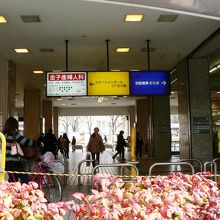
[[149, 83]]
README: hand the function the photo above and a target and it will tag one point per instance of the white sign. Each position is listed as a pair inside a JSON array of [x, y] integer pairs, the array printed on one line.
[[66, 84]]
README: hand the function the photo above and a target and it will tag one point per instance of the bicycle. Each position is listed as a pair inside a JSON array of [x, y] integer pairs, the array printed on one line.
[[49, 184]]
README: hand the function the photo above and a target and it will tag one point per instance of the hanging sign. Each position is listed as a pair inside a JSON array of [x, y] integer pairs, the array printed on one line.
[[108, 83], [149, 83], [66, 84]]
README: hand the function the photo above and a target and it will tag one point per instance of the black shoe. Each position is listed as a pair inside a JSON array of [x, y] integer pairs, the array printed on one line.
[[113, 158]]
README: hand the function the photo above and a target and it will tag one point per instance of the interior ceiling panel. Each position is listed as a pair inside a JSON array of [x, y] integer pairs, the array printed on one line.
[[201, 8], [87, 25]]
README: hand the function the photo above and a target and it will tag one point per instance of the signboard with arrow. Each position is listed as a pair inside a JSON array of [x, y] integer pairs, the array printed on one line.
[[149, 83], [108, 83]]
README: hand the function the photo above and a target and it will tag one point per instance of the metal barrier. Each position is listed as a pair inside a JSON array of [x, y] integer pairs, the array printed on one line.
[[171, 163], [193, 160], [215, 159], [79, 169], [57, 169], [130, 162], [115, 165], [214, 172]]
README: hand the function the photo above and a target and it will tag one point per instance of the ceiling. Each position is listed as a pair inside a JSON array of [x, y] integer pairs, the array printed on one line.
[[87, 25]]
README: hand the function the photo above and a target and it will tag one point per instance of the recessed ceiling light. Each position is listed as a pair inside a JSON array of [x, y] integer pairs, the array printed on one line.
[[3, 19], [123, 49], [167, 18], [21, 50], [59, 99], [218, 92], [137, 17], [38, 71]]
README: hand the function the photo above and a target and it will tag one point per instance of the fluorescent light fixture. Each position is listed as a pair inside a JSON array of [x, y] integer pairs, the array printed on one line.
[[218, 92], [172, 92], [21, 50], [3, 19], [38, 71], [115, 70], [59, 99], [132, 17], [173, 81], [123, 49], [213, 69], [135, 70]]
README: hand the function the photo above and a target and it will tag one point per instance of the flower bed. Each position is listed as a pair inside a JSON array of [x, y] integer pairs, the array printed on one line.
[[175, 196]]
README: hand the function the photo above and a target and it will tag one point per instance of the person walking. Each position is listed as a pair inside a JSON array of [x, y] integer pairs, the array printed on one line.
[[95, 146], [121, 143], [73, 143], [13, 160], [64, 142], [139, 144], [50, 142]]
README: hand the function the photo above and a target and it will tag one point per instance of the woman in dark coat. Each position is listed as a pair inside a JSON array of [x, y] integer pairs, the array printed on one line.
[[121, 143]]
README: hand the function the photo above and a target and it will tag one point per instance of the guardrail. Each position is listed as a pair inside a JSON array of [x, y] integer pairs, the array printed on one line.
[[79, 169], [193, 160], [171, 163], [122, 165], [213, 171]]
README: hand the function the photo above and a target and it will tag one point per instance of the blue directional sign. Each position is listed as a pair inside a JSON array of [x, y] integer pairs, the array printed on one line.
[[149, 83]]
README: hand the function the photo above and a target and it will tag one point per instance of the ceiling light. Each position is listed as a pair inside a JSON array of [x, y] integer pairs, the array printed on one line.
[[30, 18], [123, 49], [59, 99], [218, 92], [115, 70], [21, 50], [167, 18], [136, 18], [38, 71], [3, 19]]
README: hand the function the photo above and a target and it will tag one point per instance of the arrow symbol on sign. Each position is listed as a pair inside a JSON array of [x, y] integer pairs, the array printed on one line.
[[164, 83], [91, 84]]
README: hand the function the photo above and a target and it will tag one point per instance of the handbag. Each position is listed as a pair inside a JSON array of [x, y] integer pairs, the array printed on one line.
[[88, 157], [16, 150]]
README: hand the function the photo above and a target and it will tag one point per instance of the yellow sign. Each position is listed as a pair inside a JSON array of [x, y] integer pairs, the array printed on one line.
[[108, 83]]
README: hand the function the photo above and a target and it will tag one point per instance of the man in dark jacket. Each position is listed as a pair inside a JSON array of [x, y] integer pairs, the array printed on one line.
[[121, 143], [50, 142]]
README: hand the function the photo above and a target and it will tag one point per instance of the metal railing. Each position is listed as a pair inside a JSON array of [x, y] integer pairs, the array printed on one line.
[[193, 160], [170, 163], [213, 167], [79, 169], [122, 165]]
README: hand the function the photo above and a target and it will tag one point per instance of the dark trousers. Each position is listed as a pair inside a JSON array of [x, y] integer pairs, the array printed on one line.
[[95, 157], [16, 166], [121, 152]]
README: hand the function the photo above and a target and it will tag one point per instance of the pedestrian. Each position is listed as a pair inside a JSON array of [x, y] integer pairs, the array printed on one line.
[[64, 142], [50, 142], [121, 143], [13, 160], [95, 146], [139, 144], [73, 143]]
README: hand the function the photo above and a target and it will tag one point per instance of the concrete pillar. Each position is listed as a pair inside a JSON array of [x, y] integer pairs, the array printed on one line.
[[142, 121], [195, 109], [55, 121], [47, 112], [7, 90], [160, 126], [32, 113], [132, 119]]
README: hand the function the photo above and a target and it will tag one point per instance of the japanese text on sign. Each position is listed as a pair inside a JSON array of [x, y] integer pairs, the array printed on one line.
[[66, 77]]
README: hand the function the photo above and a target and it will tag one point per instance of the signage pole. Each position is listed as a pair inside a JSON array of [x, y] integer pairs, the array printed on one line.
[[148, 53], [107, 47], [2, 175], [66, 41]]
